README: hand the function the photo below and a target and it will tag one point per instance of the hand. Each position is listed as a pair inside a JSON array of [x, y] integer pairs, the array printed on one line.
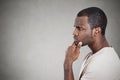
[[72, 53]]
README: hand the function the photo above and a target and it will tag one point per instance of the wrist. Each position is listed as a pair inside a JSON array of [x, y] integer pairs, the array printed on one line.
[[68, 61], [67, 64]]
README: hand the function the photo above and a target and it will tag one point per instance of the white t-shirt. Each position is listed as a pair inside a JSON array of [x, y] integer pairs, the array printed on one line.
[[103, 65]]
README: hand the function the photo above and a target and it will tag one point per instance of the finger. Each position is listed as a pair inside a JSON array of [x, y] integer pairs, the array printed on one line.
[[77, 50], [73, 46], [76, 42], [79, 45]]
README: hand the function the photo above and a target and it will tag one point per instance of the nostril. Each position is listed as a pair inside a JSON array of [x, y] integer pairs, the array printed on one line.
[[75, 33]]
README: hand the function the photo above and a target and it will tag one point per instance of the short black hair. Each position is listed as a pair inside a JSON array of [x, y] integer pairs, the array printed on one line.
[[96, 18]]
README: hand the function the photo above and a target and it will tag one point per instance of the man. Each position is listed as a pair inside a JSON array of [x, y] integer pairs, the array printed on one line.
[[103, 62]]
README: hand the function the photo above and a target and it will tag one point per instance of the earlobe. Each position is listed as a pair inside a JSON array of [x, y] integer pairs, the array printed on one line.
[[96, 31]]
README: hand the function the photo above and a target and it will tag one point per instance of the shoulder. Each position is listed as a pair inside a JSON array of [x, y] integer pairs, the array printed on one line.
[[107, 57], [104, 63]]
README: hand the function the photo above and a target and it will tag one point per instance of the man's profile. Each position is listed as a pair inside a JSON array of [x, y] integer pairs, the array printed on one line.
[[102, 63]]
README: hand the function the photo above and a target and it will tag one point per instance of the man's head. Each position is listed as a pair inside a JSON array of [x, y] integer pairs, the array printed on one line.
[[89, 22]]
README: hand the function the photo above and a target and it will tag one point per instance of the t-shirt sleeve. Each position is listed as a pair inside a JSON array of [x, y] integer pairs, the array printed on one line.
[[100, 68]]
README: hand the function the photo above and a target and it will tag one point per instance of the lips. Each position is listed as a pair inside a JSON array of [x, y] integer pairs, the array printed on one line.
[[75, 38], [76, 41]]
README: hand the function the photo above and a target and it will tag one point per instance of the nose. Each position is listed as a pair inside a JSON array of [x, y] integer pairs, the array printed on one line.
[[75, 32]]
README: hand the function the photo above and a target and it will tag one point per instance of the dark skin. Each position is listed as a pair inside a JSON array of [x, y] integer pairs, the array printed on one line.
[[83, 35]]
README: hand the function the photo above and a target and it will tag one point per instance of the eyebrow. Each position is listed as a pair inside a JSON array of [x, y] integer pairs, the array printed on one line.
[[77, 26]]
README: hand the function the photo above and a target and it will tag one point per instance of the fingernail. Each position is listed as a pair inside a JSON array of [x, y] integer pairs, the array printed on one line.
[[80, 43]]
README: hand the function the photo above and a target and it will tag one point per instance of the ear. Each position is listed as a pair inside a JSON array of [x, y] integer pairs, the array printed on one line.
[[96, 31]]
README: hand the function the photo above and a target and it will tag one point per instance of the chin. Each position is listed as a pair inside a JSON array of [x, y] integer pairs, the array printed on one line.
[[84, 44]]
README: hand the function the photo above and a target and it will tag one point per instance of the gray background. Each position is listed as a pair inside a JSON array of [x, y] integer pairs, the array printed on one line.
[[34, 35]]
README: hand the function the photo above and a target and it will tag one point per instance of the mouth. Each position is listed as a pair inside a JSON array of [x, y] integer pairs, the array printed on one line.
[[76, 41]]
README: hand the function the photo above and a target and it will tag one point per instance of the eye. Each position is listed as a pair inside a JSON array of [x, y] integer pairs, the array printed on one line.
[[79, 28]]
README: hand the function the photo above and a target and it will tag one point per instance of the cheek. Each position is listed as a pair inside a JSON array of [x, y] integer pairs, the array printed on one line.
[[85, 36], [81, 36]]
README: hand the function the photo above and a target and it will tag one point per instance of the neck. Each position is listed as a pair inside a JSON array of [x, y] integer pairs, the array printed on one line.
[[98, 44]]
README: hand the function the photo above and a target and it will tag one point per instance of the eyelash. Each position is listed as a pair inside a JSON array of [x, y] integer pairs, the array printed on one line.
[[79, 28]]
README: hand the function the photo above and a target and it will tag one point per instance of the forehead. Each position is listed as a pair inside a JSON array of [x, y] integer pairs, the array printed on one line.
[[79, 21]]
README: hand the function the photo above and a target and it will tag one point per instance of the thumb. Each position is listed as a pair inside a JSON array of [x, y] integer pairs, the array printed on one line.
[[79, 45], [77, 51]]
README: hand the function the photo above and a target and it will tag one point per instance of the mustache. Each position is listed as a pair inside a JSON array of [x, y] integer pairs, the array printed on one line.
[[75, 38]]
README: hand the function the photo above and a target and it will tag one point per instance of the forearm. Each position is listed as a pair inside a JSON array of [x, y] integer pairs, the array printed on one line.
[[71, 55], [68, 71]]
